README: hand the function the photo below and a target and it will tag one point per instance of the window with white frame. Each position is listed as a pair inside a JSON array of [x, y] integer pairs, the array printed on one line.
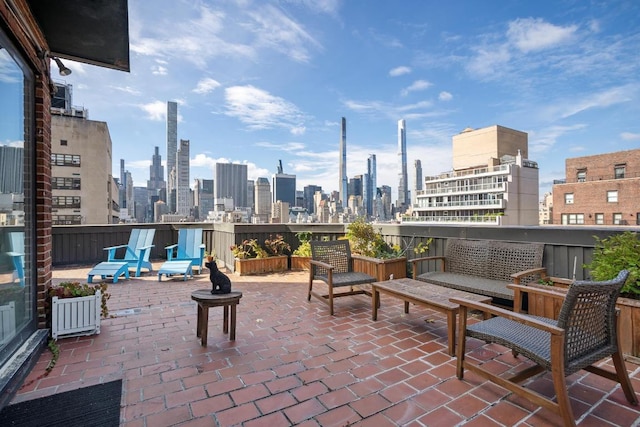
[[582, 175], [619, 171], [572, 219], [612, 196], [600, 219], [617, 218], [568, 198]]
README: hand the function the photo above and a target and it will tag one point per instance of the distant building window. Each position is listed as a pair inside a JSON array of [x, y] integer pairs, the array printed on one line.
[[572, 219], [638, 218], [618, 171], [600, 219], [568, 199], [612, 196], [65, 202], [617, 219], [63, 142], [65, 160], [66, 219], [59, 183], [582, 176]]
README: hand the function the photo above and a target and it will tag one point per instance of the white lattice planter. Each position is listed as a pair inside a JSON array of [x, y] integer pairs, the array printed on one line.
[[71, 317]]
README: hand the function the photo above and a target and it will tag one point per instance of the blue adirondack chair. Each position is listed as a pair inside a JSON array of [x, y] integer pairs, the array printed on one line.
[[137, 251], [16, 240], [188, 248]]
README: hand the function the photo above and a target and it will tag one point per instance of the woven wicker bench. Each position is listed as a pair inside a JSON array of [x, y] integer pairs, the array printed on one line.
[[483, 267]]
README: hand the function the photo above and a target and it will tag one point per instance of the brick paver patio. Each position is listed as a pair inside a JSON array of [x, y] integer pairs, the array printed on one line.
[[293, 364]]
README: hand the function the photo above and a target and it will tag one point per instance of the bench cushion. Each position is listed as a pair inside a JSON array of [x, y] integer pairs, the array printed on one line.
[[346, 279], [467, 283]]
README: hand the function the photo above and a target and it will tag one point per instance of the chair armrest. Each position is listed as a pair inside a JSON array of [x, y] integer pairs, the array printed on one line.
[[171, 246], [559, 295], [114, 247], [14, 254], [321, 264], [542, 271], [516, 317], [415, 261]]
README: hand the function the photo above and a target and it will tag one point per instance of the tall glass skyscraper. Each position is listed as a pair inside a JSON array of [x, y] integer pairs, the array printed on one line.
[[172, 150], [417, 186], [403, 186], [371, 185], [343, 163], [231, 182], [183, 207]]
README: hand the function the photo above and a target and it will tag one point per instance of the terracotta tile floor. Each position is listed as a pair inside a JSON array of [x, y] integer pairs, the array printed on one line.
[[293, 364]]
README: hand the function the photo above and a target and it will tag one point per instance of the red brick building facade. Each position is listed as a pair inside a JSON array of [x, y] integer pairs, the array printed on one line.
[[603, 189]]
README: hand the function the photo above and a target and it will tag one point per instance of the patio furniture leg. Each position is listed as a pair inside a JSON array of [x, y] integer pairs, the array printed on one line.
[[225, 320], [232, 334], [451, 331]]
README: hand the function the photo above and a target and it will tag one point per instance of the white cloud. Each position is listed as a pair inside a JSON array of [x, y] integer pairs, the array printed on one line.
[[531, 34], [156, 111], [159, 70], [488, 60], [542, 140], [274, 29], [416, 86], [206, 85], [576, 105], [628, 136], [445, 96], [260, 110], [399, 71], [127, 89]]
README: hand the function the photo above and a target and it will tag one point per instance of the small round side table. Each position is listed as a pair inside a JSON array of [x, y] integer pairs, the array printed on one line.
[[206, 299]]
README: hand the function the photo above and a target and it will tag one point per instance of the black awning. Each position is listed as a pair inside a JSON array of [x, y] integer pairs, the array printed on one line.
[[92, 31]]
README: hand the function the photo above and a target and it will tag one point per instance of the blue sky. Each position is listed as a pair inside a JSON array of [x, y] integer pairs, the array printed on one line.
[[258, 81]]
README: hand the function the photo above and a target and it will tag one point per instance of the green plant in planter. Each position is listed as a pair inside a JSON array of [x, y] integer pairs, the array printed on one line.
[[305, 244], [77, 289], [277, 246], [249, 248], [366, 241], [615, 253]]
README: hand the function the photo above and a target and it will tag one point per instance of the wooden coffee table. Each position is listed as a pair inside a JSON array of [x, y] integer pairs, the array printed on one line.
[[426, 295]]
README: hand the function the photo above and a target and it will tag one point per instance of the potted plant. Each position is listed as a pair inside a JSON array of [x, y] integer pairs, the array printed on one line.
[[610, 255], [372, 254], [252, 258], [76, 308], [301, 256]]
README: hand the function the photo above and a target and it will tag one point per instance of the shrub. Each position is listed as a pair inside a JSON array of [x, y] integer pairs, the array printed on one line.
[[305, 244], [276, 246], [615, 253], [366, 241]]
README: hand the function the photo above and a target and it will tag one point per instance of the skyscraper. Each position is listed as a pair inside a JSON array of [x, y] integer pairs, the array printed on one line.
[[284, 187], [417, 185], [230, 182], [204, 197], [263, 199], [343, 162], [156, 184], [371, 186], [309, 192], [172, 149], [403, 185], [183, 205]]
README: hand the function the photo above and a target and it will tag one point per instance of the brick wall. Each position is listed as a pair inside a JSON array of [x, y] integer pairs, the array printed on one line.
[[32, 46]]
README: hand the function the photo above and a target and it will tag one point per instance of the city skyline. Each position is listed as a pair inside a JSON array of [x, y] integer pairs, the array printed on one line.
[[565, 74]]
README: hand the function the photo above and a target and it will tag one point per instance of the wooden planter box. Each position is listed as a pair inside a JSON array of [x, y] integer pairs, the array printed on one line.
[[274, 264], [381, 269], [71, 317], [629, 316], [300, 263]]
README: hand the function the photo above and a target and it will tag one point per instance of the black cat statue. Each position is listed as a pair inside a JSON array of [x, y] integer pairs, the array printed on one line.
[[220, 283]]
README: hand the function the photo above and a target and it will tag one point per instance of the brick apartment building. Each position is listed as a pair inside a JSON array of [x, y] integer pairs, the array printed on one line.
[[599, 190]]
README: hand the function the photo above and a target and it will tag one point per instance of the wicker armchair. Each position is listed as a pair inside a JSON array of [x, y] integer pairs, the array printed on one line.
[[585, 332], [331, 263]]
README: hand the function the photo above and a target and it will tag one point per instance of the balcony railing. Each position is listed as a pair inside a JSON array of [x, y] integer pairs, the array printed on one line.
[[83, 244], [493, 187]]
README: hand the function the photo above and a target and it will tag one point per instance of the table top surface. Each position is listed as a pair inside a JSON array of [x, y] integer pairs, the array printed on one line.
[[206, 295], [427, 292]]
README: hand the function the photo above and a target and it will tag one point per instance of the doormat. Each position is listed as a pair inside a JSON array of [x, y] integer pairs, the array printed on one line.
[[97, 405]]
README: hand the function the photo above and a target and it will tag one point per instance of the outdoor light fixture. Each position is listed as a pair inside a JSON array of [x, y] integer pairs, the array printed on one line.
[[64, 71]]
